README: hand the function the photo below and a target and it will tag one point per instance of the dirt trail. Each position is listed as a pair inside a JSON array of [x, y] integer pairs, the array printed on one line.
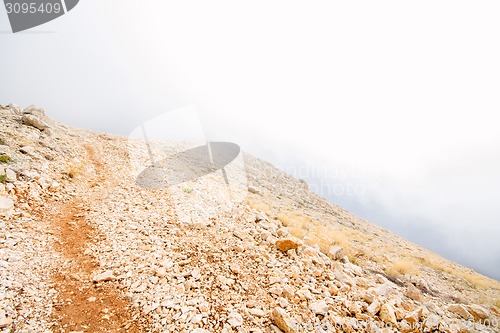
[[83, 305]]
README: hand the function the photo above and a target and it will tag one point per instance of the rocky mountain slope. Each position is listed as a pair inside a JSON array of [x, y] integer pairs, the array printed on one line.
[[83, 248]]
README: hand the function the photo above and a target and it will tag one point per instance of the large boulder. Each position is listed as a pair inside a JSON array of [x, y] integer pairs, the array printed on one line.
[[34, 121]]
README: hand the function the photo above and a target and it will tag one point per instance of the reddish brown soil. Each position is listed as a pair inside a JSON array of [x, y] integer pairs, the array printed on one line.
[[82, 305]]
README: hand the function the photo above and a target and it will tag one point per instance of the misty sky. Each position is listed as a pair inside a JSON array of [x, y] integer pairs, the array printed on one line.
[[387, 108]]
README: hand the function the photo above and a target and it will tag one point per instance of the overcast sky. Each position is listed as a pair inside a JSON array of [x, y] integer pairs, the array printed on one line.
[[388, 108]]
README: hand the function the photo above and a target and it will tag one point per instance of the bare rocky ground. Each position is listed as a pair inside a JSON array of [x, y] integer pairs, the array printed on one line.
[[84, 249]]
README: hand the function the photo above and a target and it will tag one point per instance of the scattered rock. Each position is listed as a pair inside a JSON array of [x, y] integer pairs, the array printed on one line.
[[478, 312], [32, 109], [336, 253], [199, 330], [4, 322], [282, 302], [6, 204], [385, 290], [183, 277], [287, 244], [54, 187], [253, 190], [334, 291], [281, 319], [15, 108], [431, 323], [105, 276], [460, 310], [387, 314], [413, 317], [319, 307], [11, 175], [256, 312], [27, 150], [235, 319], [374, 308], [414, 293], [161, 272], [31, 120]]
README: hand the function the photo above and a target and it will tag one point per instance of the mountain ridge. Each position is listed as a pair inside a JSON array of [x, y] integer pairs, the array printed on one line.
[[86, 249]]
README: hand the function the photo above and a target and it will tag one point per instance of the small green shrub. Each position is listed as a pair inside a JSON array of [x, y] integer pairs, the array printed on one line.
[[3, 179], [2, 143], [187, 190], [4, 159]]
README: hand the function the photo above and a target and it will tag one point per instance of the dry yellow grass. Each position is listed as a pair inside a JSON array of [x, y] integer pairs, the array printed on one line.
[[259, 205], [356, 245], [297, 225], [475, 279], [496, 303], [325, 235], [320, 233], [74, 168], [402, 267]]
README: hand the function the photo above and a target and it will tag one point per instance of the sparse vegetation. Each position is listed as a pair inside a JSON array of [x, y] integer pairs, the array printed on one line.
[[187, 190], [401, 267], [5, 159], [297, 225], [3, 179], [475, 279], [360, 247], [74, 168], [353, 242], [259, 205], [73, 172], [319, 233], [2, 142]]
